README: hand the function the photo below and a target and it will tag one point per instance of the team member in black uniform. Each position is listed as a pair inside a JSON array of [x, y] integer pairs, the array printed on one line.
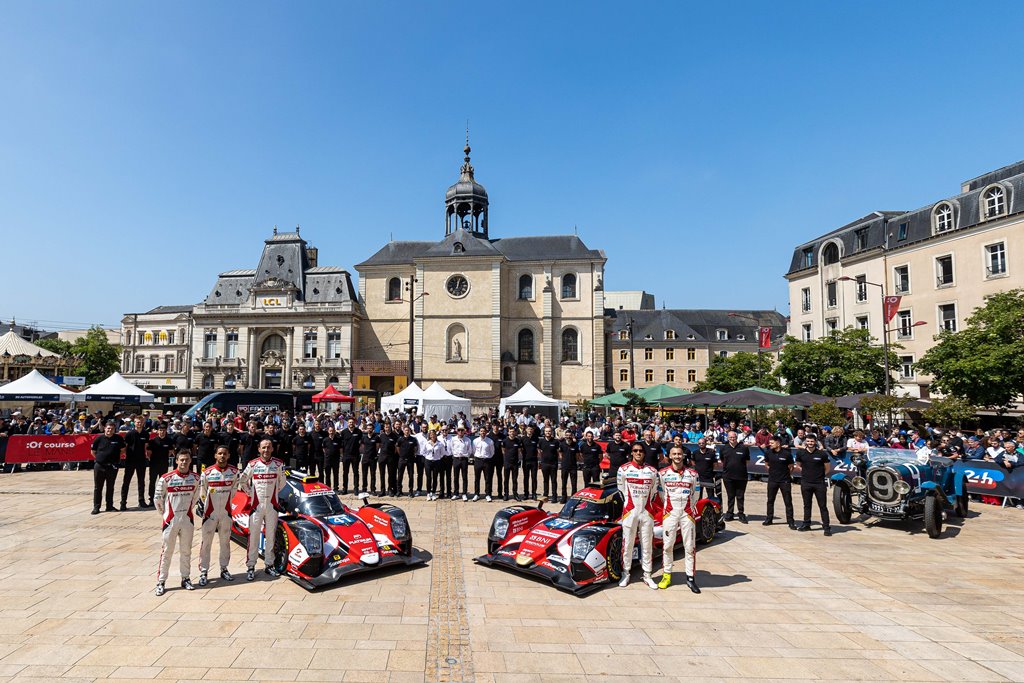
[[185, 440], [511, 453], [329, 448], [250, 443], [530, 450], [569, 464], [618, 454], [231, 439], [135, 462], [302, 450], [592, 454], [549, 449], [653, 452], [106, 451], [206, 445], [704, 459], [282, 449], [780, 479], [814, 467], [408, 447], [497, 438], [387, 460], [351, 440], [160, 447], [370, 445], [734, 457]]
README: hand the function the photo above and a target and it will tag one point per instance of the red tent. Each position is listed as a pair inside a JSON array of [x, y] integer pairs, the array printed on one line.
[[332, 395]]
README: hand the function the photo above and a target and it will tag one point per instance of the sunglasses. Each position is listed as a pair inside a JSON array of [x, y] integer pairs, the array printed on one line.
[[638, 450]]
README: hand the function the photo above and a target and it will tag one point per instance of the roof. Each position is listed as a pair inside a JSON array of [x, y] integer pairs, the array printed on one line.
[[540, 248], [11, 343], [169, 309], [702, 324]]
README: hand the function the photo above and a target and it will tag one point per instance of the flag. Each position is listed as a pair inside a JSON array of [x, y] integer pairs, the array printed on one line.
[[764, 337], [890, 305]]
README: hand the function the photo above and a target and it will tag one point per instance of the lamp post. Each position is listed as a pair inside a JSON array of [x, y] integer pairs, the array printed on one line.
[[757, 336], [409, 287], [632, 379], [885, 327]]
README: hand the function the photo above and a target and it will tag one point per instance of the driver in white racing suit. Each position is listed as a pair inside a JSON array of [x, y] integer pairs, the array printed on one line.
[[176, 493], [680, 491], [216, 489], [262, 480], [638, 484]]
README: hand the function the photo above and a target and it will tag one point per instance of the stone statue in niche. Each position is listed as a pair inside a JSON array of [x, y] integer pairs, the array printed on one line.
[[456, 349]]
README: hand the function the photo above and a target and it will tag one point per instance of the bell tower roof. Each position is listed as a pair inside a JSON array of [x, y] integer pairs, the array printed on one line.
[[466, 200]]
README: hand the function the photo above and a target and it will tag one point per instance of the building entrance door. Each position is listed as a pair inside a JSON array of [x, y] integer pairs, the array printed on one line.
[[271, 379]]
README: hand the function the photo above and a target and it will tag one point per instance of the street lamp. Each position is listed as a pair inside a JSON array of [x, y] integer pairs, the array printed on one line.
[[412, 323], [885, 325], [757, 336]]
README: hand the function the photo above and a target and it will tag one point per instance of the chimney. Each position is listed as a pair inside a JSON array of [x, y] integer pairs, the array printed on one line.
[[311, 253]]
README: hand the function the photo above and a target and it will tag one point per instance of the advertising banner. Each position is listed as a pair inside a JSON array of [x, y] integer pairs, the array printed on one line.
[[764, 337], [24, 448]]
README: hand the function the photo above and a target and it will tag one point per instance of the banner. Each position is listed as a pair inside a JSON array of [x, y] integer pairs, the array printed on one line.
[[25, 448], [764, 337], [890, 306]]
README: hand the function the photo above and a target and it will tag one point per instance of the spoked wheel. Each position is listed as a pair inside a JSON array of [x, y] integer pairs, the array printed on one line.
[[933, 516], [842, 503]]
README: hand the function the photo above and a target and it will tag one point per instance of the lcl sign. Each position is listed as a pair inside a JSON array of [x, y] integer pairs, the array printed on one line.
[[272, 301]]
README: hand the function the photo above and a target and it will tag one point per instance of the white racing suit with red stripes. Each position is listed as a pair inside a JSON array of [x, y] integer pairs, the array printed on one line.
[[262, 481], [680, 491], [175, 495], [639, 488], [216, 488]]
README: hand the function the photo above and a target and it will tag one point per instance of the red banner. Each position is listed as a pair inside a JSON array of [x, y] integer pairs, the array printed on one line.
[[47, 448], [890, 306], [764, 337]]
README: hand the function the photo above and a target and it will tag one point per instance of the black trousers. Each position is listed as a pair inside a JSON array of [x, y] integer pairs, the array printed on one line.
[[510, 472], [816, 490], [592, 474], [103, 475], [460, 469], [405, 467], [353, 466], [486, 468], [156, 470], [421, 466], [445, 476], [711, 489], [369, 468], [331, 467], [567, 476], [786, 488], [137, 470], [434, 472], [382, 471], [549, 473], [736, 489], [530, 479]]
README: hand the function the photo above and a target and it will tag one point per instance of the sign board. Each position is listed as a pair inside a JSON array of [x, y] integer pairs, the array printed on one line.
[[24, 448], [271, 301], [410, 402], [72, 381]]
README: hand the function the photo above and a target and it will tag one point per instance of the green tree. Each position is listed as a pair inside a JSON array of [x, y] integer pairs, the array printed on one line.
[[58, 346], [949, 411], [845, 362], [882, 406], [739, 371], [826, 413], [98, 358], [984, 362]]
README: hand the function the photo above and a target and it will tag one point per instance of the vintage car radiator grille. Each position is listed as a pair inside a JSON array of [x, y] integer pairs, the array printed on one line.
[[882, 486]]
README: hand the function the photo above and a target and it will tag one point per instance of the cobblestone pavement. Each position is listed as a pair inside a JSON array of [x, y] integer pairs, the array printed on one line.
[[874, 602]]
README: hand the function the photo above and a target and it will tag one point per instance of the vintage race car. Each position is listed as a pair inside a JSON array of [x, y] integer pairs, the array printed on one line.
[[320, 540], [892, 484], [579, 549]]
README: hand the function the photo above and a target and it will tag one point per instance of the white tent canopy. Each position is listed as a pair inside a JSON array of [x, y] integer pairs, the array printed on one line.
[[35, 387], [115, 388], [531, 397], [410, 397], [438, 401]]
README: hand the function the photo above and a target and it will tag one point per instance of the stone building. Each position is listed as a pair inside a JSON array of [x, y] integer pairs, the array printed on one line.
[[156, 347], [484, 314]]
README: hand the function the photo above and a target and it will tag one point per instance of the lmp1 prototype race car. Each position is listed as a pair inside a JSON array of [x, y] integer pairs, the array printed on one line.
[[580, 548], [320, 540], [893, 484]]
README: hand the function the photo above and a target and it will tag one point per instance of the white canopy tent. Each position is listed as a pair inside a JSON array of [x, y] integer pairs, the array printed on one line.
[[410, 397], [115, 388], [438, 401], [35, 387], [530, 397]]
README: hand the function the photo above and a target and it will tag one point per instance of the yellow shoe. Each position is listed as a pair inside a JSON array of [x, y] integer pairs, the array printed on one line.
[[666, 581]]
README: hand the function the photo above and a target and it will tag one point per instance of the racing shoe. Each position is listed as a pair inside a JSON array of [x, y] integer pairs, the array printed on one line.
[[465, 498], [271, 571], [692, 584], [650, 582], [159, 589], [489, 499], [666, 580], [625, 580], [203, 580], [226, 575], [250, 575], [475, 498], [187, 585]]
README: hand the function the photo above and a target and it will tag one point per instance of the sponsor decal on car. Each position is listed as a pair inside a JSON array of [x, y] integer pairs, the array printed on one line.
[[559, 523], [588, 494], [340, 520]]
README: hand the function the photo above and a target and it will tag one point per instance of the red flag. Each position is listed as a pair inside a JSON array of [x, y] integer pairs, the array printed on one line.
[[764, 337], [890, 306]]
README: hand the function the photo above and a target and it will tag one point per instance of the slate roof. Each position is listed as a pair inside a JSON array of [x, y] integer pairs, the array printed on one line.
[[701, 323], [541, 248], [169, 309]]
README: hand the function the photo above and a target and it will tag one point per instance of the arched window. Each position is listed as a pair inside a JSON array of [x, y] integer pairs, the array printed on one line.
[[525, 286], [569, 286], [994, 202], [207, 382], [274, 342], [333, 379], [830, 254], [229, 382], [943, 218], [506, 374], [570, 346], [623, 334], [525, 345], [308, 382], [394, 289]]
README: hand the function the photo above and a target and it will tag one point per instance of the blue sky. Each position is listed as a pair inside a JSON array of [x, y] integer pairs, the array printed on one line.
[[144, 147]]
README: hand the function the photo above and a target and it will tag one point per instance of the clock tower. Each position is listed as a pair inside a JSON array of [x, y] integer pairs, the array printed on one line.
[[465, 202]]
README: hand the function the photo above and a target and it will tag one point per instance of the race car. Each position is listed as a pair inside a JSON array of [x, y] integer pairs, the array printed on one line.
[[580, 548], [320, 540]]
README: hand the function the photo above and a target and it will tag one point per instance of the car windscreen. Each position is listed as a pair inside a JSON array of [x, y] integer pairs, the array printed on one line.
[[321, 504], [583, 510]]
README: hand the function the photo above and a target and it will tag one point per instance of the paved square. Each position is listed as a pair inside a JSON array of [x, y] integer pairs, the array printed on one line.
[[873, 602]]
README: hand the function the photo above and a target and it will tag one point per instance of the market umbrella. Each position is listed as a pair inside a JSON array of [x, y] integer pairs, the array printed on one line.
[[332, 395], [761, 398], [616, 399], [808, 399], [853, 401], [659, 392], [699, 398]]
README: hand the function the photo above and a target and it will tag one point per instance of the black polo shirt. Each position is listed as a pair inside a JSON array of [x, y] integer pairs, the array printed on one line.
[[569, 453], [618, 454], [107, 449], [530, 447], [704, 462], [778, 465], [592, 453], [549, 450], [734, 461], [812, 465], [511, 447], [652, 453]]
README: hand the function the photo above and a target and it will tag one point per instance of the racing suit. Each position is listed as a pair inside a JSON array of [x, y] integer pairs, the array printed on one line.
[[216, 488], [262, 481], [174, 498], [639, 487], [680, 491]]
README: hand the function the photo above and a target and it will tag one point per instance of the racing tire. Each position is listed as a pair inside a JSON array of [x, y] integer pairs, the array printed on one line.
[[280, 552], [708, 526], [962, 504], [842, 504], [933, 516], [615, 557]]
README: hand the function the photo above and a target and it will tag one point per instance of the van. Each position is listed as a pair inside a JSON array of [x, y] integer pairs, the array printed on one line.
[[252, 402]]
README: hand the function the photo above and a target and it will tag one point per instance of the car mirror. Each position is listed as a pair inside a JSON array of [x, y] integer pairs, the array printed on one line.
[[365, 497]]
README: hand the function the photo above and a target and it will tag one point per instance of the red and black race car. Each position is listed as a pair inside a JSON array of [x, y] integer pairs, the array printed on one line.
[[580, 548], [320, 540]]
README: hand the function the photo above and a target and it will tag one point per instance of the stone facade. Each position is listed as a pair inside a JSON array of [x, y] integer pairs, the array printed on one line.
[[156, 347]]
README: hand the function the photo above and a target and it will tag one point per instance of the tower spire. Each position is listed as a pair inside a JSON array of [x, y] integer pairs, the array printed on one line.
[[467, 168]]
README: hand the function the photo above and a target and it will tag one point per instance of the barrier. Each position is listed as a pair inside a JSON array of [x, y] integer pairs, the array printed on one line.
[[32, 448]]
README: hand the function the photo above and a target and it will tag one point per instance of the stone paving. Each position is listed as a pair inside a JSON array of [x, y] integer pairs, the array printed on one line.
[[874, 602]]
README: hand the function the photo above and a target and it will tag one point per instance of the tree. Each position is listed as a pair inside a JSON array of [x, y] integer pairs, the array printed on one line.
[[739, 371], [984, 362], [826, 413], [842, 363], [98, 358], [58, 346], [881, 405], [948, 411]]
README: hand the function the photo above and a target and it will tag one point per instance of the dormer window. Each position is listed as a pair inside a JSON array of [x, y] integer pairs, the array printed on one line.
[[458, 248], [623, 335], [722, 335], [994, 202], [670, 334], [690, 337], [942, 218], [830, 254]]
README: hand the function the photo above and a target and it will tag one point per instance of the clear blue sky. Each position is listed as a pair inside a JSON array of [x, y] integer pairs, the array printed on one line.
[[144, 147]]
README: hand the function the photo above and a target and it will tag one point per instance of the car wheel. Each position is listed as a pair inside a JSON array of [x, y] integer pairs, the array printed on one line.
[[280, 551], [933, 516], [708, 525], [615, 557], [842, 503], [962, 502]]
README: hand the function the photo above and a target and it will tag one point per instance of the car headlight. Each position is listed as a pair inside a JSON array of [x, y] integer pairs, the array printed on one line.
[[500, 528], [581, 546], [311, 539], [902, 487], [858, 483], [399, 525]]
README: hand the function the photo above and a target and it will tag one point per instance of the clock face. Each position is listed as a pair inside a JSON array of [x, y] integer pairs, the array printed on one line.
[[457, 286]]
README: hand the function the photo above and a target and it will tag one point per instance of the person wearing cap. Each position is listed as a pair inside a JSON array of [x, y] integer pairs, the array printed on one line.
[[974, 450]]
